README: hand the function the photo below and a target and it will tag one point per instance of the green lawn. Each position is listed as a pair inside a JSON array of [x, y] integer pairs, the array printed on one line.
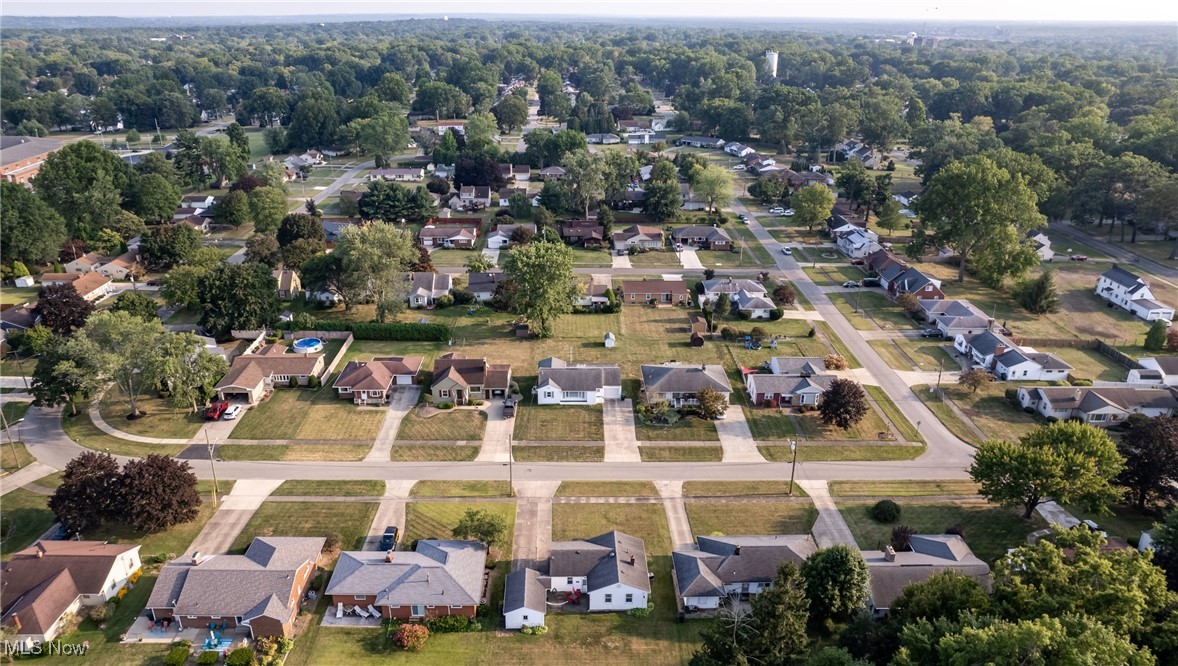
[[687, 429], [445, 425], [294, 452], [829, 275], [451, 258], [309, 414], [771, 424], [890, 352], [584, 521], [350, 520], [559, 423], [739, 489], [461, 489], [901, 488], [839, 348], [1125, 521], [428, 453], [1089, 364], [868, 429], [583, 258], [162, 421], [892, 412], [655, 259], [83, 431], [988, 529], [170, 542], [24, 516], [990, 411], [606, 489], [928, 354], [841, 452], [331, 488], [13, 456], [681, 453], [946, 416], [739, 518], [575, 453], [436, 520], [14, 410], [18, 295], [868, 311], [105, 646]]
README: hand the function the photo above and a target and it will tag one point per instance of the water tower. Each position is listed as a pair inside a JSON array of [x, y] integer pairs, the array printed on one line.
[[771, 62]]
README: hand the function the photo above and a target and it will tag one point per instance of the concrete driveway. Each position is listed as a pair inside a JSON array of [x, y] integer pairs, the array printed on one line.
[[533, 525], [621, 441], [736, 438], [235, 511], [690, 259], [403, 399], [622, 261], [390, 511], [497, 436]]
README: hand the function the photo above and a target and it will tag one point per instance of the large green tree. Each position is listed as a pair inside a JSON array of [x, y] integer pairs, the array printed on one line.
[[84, 184], [511, 113], [156, 199], [812, 205], [367, 264], [268, 205], [90, 492], [168, 245], [158, 492], [237, 297], [584, 180], [836, 580], [1150, 449], [31, 232], [712, 184], [772, 632], [543, 284]]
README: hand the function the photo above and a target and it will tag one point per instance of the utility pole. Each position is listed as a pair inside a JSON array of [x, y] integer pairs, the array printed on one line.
[[11, 443], [940, 368], [213, 466], [793, 447], [510, 469]]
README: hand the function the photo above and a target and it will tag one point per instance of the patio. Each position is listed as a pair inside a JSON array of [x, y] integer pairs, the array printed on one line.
[[144, 630], [350, 618]]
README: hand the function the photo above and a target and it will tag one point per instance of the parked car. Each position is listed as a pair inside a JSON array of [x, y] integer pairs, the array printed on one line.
[[388, 540], [678, 247], [870, 282], [851, 284], [215, 410], [1079, 257], [508, 408], [788, 212], [739, 167], [233, 412], [857, 262], [907, 213], [931, 333], [777, 210], [786, 250]]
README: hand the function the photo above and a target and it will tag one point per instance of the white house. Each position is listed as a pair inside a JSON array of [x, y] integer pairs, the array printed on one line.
[[610, 569], [738, 149], [1128, 291], [1157, 371], [1042, 244], [714, 288], [397, 174], [501, 236], [954, 317], [558, 383], [678, 383], [525, 600], [857, 243], [483, 285], [734, 567], [700, 141], [1098, 406], [994, 351], [754, 305]]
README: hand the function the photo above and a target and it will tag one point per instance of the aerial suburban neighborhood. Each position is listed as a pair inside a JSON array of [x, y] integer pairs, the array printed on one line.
[[486, 340]]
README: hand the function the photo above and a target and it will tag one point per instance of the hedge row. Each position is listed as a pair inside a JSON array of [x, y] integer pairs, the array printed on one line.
[[398, 331]]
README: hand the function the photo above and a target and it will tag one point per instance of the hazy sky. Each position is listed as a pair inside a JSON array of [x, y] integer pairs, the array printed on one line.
[[996, 11]]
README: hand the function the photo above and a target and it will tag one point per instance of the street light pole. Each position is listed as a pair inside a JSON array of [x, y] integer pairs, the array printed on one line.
[[793, 447], [213, 466]]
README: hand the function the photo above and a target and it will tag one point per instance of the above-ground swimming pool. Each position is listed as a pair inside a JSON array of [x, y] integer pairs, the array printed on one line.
[[308, 346]]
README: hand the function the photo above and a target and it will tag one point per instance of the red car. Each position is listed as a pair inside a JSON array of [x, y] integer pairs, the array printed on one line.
[[1079, 257], [215, 410]]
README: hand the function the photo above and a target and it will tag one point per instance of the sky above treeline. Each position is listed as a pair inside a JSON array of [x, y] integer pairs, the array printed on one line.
[[996, 11]]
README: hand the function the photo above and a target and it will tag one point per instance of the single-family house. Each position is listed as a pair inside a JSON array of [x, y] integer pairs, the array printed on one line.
[[730, 287], [184, 212], [700, 141], [588, 233], [261, 589], [703, 237], [754, 305], [1126, 290], [640, 236], [399, 174], [1098, 406], [661, 293], [289, 284], [906, 197], [198, 222], [525, 599], [603, 139], [610, 569], [559, 383], [50, 581], [786, 390], [369, 382], [83, 264], [449, 236], [995, 352], [252, 376], [634, 125], [19, 317], [907, 280], [953, 317], [808, 178], [734, 567], [1041, 243], [204, 201], [857, 243], [594, 294], [737, 149], [121, 267], [334, 226], [521, 173], [426, 288], [476, 196], [456, 126], [1160, 370], [505, 194], [437, 579], [796, 366], [678, 383], [92, 286], [484, 284], [501, 236], [877, 261], [928, 554], [459, 380], [552, 173]]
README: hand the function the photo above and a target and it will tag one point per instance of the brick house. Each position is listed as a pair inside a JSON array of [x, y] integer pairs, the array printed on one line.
[[458, 379], [369, 382], [663, 293], [252, 376], [21, 157]]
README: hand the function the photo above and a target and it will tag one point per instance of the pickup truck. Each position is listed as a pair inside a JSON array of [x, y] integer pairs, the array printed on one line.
[[215, 410]]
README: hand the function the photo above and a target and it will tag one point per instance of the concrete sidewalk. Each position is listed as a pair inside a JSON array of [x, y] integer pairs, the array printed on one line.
[[24, 476], [402, 401], [830, 529], [236, 510]]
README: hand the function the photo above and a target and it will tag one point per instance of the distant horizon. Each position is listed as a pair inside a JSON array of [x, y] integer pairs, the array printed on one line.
[[996, 12]]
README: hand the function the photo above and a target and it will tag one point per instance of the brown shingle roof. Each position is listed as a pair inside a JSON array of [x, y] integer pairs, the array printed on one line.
[[377, 374], [90, 282], [248, 370]]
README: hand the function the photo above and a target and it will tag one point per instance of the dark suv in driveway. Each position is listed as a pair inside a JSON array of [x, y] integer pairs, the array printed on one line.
[[389, 539]]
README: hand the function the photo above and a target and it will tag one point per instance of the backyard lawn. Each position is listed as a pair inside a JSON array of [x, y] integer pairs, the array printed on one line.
[[443, 425], [330, 488], [350, 520], [309, 414], [1089, 364], [534, 423], [681, 453], [1125, 521], [461, 489], [740, 518], [988, 529], [606, 489], [162, 420], [687, 429]]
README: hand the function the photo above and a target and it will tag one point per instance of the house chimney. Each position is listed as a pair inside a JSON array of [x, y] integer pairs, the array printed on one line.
[[388, 557], [999, 350], [631, 560], [737, 552], [890, 554]]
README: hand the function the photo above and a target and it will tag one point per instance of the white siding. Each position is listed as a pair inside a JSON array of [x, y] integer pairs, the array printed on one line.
[[562, 584], [702, 602], [523, 617], [617, 602]]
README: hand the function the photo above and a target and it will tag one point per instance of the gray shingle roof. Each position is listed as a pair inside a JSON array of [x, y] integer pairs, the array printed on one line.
[[789, 385], [604, 560], [439, 572], [711, 234], [554, 372], [930, 554], [1125, 398], [1124, 278], [524, 590], [684, 378], [737, 559], [798, 365], [483, 282], [733, 286], [987, 342]]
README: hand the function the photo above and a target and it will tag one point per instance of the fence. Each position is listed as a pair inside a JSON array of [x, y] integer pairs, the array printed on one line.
[[1117, 356], [1100, 346]]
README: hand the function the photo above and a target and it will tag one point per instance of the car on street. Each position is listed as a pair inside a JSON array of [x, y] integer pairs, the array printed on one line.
[[1079, 257], [388, 540], [233, 412], [777, 210], [215, 410], [788, 212], [851, 284], [931, 333], [786, 250]]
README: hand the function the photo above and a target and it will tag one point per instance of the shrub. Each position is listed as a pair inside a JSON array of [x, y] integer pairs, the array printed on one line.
[[445, 405], [242, 656], [812, 332], [476, 403], [394, 331], [208, 657], [885, 511], [776, 313], [332, 541], [641, 612], [463, 297], [534, 631], [449, 624], [313, 381], [835, 362], [445, 301], [411, 637], [901, 534], [293, 382], [1080, 381], [102, 612], [266, 646], [177, 656], [956, 529], [1011, 394], [1029, 410]]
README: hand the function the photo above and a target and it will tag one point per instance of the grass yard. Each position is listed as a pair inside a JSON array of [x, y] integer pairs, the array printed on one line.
[[24, 516], [427, 453], [350, 520], [841, 452], [739, 489], [451, 258], [14, 410], [868, 311], [583, 258], [771, 424], [83, 431], [902, 488], [890, 352], [162, 421], [606, 489], [461, 489], [656, 259], [1089, 364], [681, 453], [892, 412], [105, 644], [736, 518], [928, 354], [453, 425], [309, 414], [436, 520], [839, 348], [583, 521], [687, 429], [534, 423], [331, 488], [558, 453], [991, 412], [170, 542], [828, 275], [868, 429], [988, 529], [13, 456], [18, 295], [294, 452], [1125, 521]]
